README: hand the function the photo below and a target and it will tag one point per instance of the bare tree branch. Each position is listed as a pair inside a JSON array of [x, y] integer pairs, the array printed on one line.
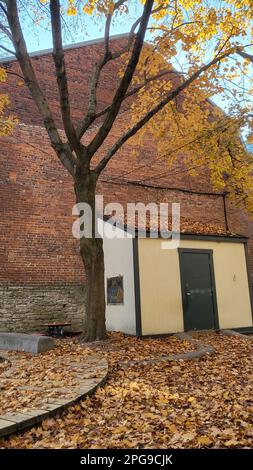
[[9, 72], [62, 150], [137, 88], [125, 82], [91, 115], [3, 8], [92, 100], [172, 95], [116, 6], [95, 76], [5, 31], [60, 68], [7, 50], [131, 36], [245, 55]]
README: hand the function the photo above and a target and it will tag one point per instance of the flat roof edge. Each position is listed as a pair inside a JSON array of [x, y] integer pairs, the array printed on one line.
[[66, 48], [196, 236], [190, 236]]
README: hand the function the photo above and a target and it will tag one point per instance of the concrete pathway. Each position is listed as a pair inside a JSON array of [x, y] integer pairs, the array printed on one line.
[[89, 374], [236, 333], [200, 350]]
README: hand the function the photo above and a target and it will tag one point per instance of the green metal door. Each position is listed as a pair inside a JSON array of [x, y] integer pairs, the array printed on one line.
[[198, 289]]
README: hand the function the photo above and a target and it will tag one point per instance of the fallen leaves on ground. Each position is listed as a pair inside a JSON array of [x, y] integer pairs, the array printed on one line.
[[27, 378], [204, 403], [4, 365]]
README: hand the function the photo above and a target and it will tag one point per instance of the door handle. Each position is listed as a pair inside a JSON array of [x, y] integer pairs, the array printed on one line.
[[187, 299]]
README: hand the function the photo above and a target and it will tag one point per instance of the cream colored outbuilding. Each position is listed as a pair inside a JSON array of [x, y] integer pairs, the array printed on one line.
[[150, 277], [160, 285]]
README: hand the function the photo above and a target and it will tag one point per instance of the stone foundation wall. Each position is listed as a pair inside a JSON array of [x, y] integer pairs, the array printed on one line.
[[24, 308]]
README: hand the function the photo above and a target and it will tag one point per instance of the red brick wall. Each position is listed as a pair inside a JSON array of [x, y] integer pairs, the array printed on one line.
[[79, 62], [36, 193]]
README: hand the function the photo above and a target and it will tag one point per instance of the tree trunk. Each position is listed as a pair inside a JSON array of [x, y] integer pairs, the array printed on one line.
[[93, 259], [91, 250]]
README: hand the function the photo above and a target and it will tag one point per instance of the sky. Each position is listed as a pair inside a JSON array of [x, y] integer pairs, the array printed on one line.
[[39, 37], [80, 28]]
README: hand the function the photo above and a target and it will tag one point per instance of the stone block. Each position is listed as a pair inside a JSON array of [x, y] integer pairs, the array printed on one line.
[[25, 342], [6, 427]]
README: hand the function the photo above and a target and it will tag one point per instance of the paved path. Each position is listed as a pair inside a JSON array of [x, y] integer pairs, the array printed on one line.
[[236, 333], [199, 351], [89, 374]]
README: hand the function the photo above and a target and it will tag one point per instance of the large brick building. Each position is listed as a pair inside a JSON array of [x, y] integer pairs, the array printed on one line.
[[41, 274]]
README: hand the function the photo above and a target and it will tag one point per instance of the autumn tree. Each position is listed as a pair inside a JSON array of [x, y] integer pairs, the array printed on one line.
[[7, 121], [208, 42]]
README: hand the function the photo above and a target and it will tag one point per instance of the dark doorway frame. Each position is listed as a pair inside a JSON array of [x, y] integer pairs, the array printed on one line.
[[181, 251]]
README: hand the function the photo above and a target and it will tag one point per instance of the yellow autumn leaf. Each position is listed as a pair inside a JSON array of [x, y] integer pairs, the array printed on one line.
[[191, 399], [204, 441]]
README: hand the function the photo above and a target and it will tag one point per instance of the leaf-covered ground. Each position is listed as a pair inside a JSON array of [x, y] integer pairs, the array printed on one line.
[[185, 404], [4, 365], [28, 378]]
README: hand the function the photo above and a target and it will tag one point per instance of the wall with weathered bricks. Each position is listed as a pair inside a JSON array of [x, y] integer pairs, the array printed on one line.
[[41, 273], [79, 63], [28, 307], [37, 196]]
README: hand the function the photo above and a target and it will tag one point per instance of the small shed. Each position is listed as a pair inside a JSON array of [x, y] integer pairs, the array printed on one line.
[[201, 284]]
